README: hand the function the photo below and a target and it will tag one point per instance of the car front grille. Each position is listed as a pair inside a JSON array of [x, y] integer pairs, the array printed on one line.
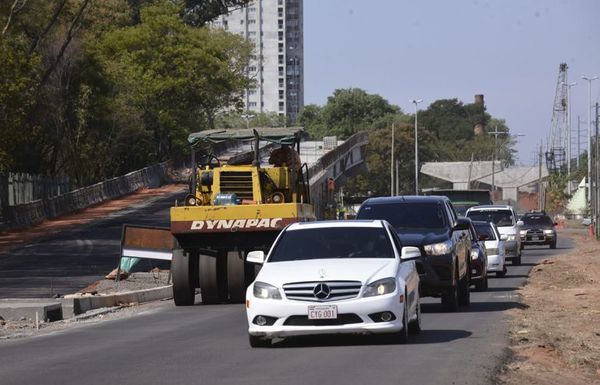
[[314, 291], [238, 183], [342, 319]]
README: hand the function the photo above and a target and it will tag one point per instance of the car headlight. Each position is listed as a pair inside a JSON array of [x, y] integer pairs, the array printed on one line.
[[523, 232], [548, 232], [438, 248], [266, 291], [474, 254], [511, 237], [380, 287]]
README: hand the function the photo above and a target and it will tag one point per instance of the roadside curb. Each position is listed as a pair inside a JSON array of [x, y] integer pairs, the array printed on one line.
[[75, 304]]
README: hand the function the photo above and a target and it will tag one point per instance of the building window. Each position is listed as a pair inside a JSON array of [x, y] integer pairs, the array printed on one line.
[[280, 59], [280, 82], [280, 71], [280, 24], [280, 47], [251, 21], [279, 2], [252, 9], [252, 68], [251, 92], [252, 104], [280, 12], [281, 106], [281, 95], [242, 21], [280, 35], [251, 33]]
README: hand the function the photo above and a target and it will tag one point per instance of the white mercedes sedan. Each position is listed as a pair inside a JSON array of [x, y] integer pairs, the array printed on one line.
[[334, 277]]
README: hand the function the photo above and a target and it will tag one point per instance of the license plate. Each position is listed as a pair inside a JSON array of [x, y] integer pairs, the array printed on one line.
[[322, 312]]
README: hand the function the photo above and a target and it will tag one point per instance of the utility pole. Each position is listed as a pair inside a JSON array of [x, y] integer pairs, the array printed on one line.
[[597, 176], [589, 79], [540, 186], [578, 140], [392, 165], [397, 179]]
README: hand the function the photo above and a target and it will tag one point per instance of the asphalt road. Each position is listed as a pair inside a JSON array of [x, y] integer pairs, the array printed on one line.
[[208, 344], [73, 259]]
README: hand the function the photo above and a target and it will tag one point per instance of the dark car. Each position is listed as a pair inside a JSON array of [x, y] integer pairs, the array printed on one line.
[[538, 229], [479, 275], [430, 223]]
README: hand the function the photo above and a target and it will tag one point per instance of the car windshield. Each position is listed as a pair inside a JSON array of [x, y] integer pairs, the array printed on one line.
[[537, 220], [498, 217], [408, 215], [337, 242], [486, 229]]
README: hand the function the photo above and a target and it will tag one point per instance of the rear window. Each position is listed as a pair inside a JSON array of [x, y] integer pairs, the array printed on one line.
[[498, 217], [486, 230], [407, 215], [540, 220], [338, 242]]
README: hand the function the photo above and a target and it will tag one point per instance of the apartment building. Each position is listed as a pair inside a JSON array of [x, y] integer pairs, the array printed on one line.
[[275, 29]]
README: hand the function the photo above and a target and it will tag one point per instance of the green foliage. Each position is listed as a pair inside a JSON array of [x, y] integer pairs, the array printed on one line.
[[347, 111], [93, 89], [556, 198], [255, 119], [177, 77]]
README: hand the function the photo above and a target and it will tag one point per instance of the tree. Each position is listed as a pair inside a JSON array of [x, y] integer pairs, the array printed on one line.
[[351, 110], [175, 76]]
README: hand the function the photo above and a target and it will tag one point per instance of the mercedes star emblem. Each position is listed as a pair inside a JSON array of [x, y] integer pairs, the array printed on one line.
[[322, 291]]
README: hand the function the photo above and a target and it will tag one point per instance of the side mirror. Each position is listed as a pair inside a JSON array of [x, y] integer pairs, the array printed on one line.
[[520, 223], [257, 257], [483, 237], [410, 252], [555, 224], [462, 224], [503, 237]]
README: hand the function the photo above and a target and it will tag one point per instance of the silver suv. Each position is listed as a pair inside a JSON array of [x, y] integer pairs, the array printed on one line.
[[505, 218]]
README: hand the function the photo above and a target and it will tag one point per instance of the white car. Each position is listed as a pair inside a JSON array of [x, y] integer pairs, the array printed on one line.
[[494, 246], [509, 227], [334, 277]]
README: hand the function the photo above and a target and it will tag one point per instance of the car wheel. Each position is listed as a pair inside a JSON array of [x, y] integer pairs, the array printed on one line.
[[502, 273], [414, 327], [464, 293], [450, 298], [259, 342], [482, 285], [553, 245], [402, 336]]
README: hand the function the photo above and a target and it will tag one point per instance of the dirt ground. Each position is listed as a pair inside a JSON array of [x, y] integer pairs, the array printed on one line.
[[555, 338]]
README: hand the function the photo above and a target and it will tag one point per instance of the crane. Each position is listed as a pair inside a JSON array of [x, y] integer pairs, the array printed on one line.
[[558, 140]]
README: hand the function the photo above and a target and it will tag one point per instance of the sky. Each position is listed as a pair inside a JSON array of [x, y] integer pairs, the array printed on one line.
[[508, 50]]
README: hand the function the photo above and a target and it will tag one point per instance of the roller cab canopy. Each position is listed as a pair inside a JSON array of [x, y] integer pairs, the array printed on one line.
[[280, 135]]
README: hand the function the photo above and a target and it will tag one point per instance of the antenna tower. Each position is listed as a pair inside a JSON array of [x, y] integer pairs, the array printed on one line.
[[559, 132]]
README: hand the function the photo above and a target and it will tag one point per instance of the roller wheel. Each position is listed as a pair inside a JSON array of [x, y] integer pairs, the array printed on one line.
[[213, 285], [183, 269], [236, 277]]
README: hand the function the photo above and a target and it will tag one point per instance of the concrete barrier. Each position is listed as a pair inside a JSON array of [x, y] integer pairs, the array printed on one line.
[[40, 210], [75, 304]]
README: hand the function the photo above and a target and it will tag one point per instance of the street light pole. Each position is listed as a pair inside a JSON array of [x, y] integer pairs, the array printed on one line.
[[589, 149], [416, 103]]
